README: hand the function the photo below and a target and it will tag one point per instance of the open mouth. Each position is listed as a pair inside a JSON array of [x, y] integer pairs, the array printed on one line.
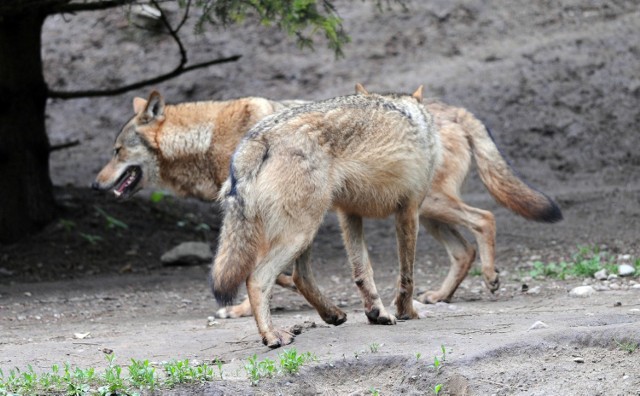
[[126, 185]]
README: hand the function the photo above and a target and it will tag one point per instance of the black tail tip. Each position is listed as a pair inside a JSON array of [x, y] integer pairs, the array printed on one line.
[[551, 213], [222, 296]]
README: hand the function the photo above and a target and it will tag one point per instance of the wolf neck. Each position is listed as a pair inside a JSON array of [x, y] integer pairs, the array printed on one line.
[[196, 147]]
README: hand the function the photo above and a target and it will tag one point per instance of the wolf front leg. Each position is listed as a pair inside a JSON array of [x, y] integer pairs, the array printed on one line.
[[306, 284], [353, 234], [406, 234]]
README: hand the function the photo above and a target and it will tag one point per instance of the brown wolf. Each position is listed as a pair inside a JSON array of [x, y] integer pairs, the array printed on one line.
[[363, 156], [187, 148]]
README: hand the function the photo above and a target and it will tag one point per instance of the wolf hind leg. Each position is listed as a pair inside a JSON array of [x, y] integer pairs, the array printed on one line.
[[461, 255], [306, 284], [244, 308], [481, 223], [353, 235]]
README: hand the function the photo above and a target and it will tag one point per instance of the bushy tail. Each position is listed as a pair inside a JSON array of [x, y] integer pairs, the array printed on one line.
[[499, 178], [237, 250]]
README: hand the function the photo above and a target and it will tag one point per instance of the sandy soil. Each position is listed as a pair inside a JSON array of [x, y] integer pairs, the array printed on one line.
[[560, 89]]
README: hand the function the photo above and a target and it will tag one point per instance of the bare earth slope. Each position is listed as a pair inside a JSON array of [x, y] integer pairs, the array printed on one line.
[[559, 86]]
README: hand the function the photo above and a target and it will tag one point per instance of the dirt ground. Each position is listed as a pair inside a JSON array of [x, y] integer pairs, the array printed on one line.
[[559, 85]]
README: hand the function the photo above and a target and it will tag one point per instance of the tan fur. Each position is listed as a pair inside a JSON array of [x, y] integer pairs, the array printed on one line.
[[363, 156], [462, 136]]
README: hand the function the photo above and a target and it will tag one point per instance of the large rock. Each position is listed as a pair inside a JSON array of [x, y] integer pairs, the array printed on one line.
[[188, 253]]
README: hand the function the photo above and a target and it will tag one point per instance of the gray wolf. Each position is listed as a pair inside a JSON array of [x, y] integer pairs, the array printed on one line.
[[187, 148], [361, 155]]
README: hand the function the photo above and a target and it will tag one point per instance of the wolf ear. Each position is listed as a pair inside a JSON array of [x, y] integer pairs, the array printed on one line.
[[154, 108], [418, 94], [360, 90], [139, 104]]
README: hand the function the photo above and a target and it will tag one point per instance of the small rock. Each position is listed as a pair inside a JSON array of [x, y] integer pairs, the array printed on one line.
[[538, 325], [601, 275], [612, 277], [626, 270], [636, 286], [614, 286], [601, 287], [617, 304], [582, 291], [188, 253], [578, 360], [534, 290], [211, 321]]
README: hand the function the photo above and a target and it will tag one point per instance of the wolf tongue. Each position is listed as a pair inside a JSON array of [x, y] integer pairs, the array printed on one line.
[[125, 183]]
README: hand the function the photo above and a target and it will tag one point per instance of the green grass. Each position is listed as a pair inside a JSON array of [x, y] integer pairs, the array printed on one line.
[[291, 360], [475, 271], [259, 369], [139, 376], [627, 346], [374, 347], [583, 264], [111, 222]]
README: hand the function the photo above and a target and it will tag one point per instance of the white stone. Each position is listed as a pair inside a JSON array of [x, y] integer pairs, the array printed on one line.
[[534, 290], [582, 291], [601, 275], [538, 325], [188, 253], [636, 286], [626, 270]]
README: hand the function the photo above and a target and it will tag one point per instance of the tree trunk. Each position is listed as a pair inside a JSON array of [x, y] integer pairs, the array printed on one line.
[[26, 193]]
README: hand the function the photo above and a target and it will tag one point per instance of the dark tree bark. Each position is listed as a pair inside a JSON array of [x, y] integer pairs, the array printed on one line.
[[26, 193]]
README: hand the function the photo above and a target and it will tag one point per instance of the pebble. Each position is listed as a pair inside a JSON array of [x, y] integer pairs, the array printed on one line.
[[614, 286], [612, 277], [578, 360], [534, 290], [601, 275], [626, 270], [636, 286], [538, 325], [582, 291]]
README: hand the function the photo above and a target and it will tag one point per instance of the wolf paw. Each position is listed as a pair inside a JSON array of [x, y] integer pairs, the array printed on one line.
[[277, 338], [432, 297], [335, 318], [492, 281], [229, 313], [408, 314], [384, 318]]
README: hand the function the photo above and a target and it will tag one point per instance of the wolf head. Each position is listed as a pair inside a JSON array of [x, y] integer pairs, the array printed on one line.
[[134, 163]]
